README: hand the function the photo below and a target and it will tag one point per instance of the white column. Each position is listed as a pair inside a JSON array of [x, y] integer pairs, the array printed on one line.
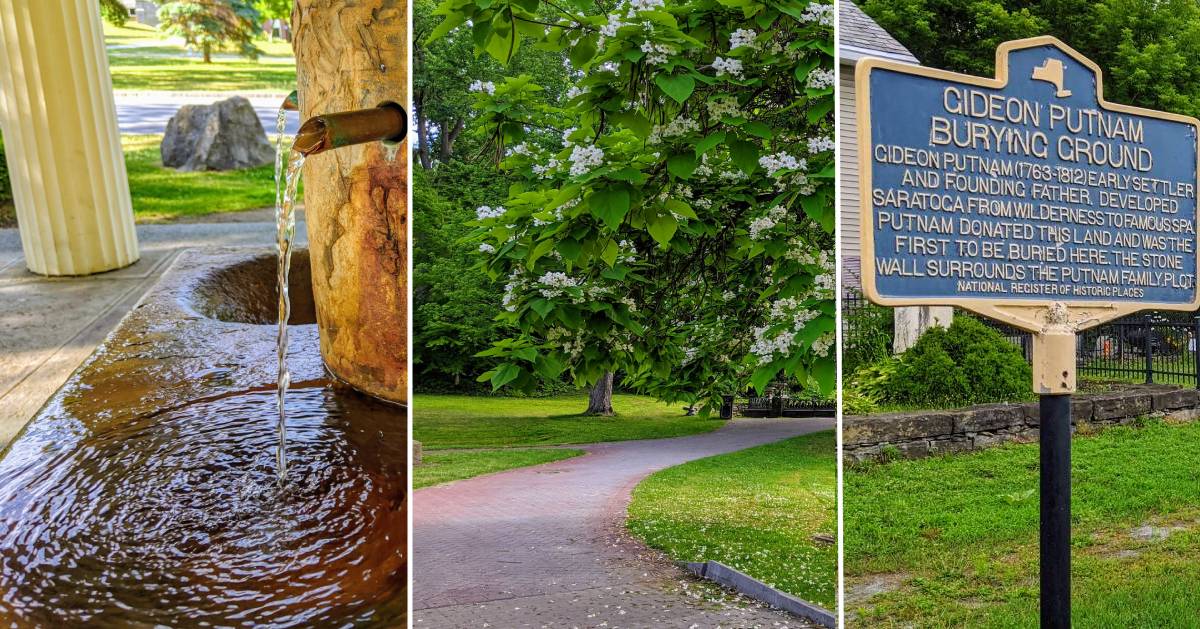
[[60, 135], [910, 322]]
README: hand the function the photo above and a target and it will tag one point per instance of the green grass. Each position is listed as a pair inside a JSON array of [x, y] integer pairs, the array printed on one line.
[[755, 510], [158, 64], [163, 193], [957, 536], [446, 466], [460, 421]]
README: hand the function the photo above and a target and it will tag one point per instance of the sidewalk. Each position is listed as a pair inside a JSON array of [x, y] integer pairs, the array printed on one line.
[[49, 326]]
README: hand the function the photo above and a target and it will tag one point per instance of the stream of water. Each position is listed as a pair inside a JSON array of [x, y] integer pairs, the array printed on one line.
[[286, 181]]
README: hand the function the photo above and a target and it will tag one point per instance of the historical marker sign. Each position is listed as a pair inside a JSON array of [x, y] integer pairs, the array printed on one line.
[[1023, 190]]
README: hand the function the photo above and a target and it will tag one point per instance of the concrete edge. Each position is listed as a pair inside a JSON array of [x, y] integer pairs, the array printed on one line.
[[721, 574]]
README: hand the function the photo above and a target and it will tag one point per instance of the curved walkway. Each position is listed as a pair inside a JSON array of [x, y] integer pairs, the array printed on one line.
[[545, 546]]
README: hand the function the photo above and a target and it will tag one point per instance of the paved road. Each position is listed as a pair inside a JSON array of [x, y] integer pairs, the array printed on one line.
[[149, 112], [546, 546]]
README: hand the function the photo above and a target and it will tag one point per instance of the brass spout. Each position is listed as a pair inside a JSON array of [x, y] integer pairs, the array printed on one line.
[[292, 102], [387, 122]]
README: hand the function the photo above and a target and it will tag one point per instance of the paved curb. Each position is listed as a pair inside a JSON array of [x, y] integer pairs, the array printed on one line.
[[730, 577]]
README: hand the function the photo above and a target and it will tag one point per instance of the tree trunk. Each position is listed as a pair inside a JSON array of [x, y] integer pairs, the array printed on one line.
[[600, 400], [207, 53], [353, 54], [450, 133], [423, 135]]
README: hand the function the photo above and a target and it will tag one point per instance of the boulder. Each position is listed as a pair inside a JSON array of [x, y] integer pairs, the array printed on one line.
[[225, 135]]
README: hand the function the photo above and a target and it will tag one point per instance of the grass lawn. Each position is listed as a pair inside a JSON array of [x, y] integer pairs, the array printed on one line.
[[755, 510], [460, 421], [449, 465], [953, 541], [163, 193], [142, 59]]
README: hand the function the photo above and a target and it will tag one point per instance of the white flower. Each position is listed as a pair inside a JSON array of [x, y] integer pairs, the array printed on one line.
[[483, 86], [573, 92], [486, 248], [645, 5], [583, 158], [485, 212], [817, 145], [781, 161], [724, 66], [821, 346], [678, 127], [822, 13], [742, 37], [520, 149], [723, 106], [555, 282], [610, 28], [760, 225], [820, 79]]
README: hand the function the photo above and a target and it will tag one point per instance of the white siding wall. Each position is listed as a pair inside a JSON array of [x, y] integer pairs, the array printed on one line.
[[848, 208]]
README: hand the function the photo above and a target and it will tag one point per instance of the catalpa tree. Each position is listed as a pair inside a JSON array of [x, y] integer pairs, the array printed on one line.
[[676, 217]]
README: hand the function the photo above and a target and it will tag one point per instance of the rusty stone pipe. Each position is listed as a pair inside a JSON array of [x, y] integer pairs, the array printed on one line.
[[387, 122]]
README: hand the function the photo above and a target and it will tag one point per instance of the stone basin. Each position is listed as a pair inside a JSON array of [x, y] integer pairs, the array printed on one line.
[[148, 481]]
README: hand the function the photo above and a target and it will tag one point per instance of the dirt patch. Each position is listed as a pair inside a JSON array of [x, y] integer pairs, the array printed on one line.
[[863, 589]]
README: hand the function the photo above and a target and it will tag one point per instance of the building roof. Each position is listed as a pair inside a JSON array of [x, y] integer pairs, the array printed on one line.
[[861, 37]]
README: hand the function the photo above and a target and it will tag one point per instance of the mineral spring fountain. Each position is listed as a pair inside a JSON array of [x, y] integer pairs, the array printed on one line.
[[170, 481]]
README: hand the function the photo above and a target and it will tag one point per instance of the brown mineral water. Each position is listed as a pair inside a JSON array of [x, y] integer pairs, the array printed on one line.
[[175, 518], [285, 230]]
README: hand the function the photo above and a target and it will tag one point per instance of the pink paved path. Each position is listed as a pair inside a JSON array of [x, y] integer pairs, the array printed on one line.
[[545, 546]]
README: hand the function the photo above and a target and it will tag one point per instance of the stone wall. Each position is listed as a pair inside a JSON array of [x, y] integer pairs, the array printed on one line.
[[917, 434]]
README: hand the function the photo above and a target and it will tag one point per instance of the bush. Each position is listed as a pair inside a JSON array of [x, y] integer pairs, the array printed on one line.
[[967, 363], [866, 334]]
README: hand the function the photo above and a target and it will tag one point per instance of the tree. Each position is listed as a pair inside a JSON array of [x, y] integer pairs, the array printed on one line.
[[443, 70], [208, 25], [600, 399], [674, 217], [114, 12], [272, 10], [1146, 49], [454, 302]]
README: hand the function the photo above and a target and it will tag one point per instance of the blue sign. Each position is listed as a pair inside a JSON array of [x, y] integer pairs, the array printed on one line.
[[1024, 188]]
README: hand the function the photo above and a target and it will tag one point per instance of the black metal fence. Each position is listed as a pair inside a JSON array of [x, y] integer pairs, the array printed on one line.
[[1154, 347], [776, 406]]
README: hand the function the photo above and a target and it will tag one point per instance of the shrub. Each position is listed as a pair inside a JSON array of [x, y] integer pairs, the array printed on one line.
[[866, 334], [967, 363]]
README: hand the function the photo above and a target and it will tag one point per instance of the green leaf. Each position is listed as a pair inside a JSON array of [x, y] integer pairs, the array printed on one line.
[[634, 121], [744, 155], [582, 52], [819, 210], [679, 207], [527, 354], [548, 367], [826, 376], [610, 205], [677, 87], [541, 306], [682, 165], [759, 129], [541, 249], [569, 248], [454, 20], [762, 377], [663, 227], [706, 145], [609, 254], [505, 374]]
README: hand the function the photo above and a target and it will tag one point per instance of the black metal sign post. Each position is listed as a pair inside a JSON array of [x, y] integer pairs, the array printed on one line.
[[1054, 382], [1055, 413]]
